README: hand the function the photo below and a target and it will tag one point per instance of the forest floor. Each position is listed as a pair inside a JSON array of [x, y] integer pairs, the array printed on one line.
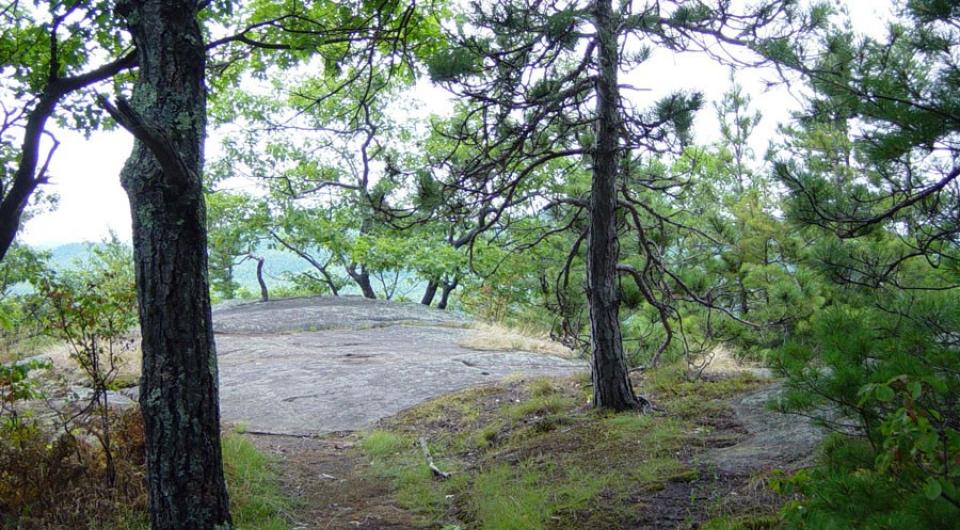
[[527, 453]]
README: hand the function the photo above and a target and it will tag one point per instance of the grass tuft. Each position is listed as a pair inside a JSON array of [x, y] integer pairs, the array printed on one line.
[[539, 406], [256, 502], [382, 444], [497, 337]]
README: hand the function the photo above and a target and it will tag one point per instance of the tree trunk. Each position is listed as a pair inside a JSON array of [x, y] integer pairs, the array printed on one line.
[[264, 293], [178, 388], [429, 293], [611, 385], [331, 284], [743, 295], [445, 295], [362, 279], [229, 286]]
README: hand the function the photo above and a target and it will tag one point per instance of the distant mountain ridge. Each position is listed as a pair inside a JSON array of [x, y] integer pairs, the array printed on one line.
[[276, 264]]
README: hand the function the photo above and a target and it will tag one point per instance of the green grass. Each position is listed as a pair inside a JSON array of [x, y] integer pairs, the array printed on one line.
[[543, 387], [256, 502], [691, 399], [505, 497], [670, 382], [539, 405], [395, 457], [381, 444], [746, 522]]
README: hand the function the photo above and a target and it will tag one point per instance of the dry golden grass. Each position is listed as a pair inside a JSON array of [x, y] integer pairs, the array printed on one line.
[[65, 366], [496, 337], [723, 362]]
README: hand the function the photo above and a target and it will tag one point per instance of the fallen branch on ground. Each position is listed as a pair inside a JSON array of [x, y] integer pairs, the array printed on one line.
[[442, 475]]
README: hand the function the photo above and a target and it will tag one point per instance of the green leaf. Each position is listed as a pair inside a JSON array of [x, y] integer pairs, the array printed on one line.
[[928, 442], [915, 388], [884, 393], [932, 488]]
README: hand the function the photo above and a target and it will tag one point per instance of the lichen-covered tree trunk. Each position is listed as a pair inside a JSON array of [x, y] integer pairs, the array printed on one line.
[[611, 385], [448, 288], [264, 292], [178, 388], [429, 293], [361, 277]]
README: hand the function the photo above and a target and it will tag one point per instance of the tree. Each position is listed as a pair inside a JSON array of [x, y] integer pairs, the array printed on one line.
[[871, 168], [900, 165], [236, 225], [530, 76], [611, 383], [162, 177], [321, 150]]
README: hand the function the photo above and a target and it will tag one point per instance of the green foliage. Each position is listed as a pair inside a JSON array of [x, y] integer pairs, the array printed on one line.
[[16, 384], [19, 330], [846, 490], [93, 308], [846, 284], [894, 376], [451, 64], [881, 357], [235, 226]]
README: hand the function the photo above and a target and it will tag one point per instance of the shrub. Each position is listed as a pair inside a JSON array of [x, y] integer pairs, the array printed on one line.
[[883, 364], [93, 309], [60, 480]]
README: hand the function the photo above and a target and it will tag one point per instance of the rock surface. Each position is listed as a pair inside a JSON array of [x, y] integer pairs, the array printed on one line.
[[774, 440], [318, 313], [309, 366]]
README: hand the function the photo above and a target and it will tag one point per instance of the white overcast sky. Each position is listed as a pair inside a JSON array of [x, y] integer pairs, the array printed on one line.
[[85, 173]]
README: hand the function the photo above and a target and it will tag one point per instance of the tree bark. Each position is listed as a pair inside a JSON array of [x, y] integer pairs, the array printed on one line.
[[26, 179], [743, 295], [264, 293], [430, 293], [445, 295], [230, 287], [611, 385], [362, 279], [179, 388]]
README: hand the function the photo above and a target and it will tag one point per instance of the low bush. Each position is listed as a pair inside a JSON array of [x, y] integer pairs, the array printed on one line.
[[61, 480]]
